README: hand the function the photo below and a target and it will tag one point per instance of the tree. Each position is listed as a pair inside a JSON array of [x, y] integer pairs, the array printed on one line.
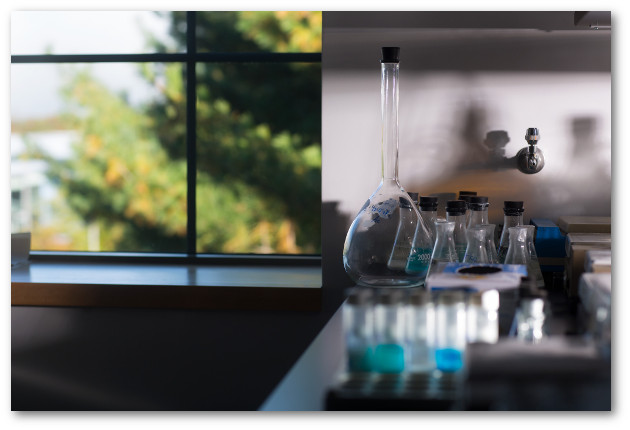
[[259, 157]]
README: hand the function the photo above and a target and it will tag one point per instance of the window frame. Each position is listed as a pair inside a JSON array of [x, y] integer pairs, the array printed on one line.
[[190, 59]]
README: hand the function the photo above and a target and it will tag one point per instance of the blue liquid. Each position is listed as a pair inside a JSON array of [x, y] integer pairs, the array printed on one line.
[[361, 360], [389, 358], [449, 359], [419, 261]]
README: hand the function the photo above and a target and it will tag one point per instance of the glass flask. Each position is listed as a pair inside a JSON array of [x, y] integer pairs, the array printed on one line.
[[533, 266], [450, 330], [512, 217], [478, 211], [389, 332], [491, 249], [389, 224], [518, 253], [428, 211], [421, 332], [444, 251], [456, 212], [466, 198], [477, 242], [358, 324]]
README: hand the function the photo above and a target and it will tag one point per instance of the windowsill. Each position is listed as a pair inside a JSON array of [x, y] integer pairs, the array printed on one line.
[[107, 284]]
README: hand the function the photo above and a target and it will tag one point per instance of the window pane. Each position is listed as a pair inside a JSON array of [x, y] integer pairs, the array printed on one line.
[[259, 31], [92, 32], [259, 158], [90, 168]]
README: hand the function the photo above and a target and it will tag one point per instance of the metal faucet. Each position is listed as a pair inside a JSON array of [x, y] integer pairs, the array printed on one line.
[[530, 160]]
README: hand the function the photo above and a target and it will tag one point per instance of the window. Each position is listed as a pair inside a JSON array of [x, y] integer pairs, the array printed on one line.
[[202, 136]]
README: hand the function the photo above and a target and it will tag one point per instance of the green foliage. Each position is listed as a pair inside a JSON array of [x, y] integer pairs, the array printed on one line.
[[258, 144]]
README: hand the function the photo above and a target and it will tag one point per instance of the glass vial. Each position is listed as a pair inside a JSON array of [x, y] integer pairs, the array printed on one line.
[[450, 331], [478, 211], [428, 211], [517, 252], [483, 317], [389, 221], [420, 332], [456, 212], [533, 266], [512, 217], [389, 332], [358, 324], [444, 251], [491, 249], [530, 320], [476, 250]]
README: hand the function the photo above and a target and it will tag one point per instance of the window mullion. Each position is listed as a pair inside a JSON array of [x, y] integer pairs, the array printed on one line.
[[191, 135]]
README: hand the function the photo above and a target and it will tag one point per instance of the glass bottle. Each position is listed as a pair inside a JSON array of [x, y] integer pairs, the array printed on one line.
[[483, 317], [465, 196], [512, 217], [478, 211], [450, 330], [533, 266], [517, 249], [476, 250], [456, 212], [491, 249], [428, 211], [389, 332], [444, 251], [358, 323], [530, 320], [389, 221], [421, 332]]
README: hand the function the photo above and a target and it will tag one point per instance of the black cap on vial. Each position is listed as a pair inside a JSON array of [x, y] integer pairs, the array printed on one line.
[[390, 54], [511, 207], [428, 202], [479, 199], [467, 193], [456, 207]]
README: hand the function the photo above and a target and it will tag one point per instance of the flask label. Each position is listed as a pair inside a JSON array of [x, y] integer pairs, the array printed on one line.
[[383, 210]]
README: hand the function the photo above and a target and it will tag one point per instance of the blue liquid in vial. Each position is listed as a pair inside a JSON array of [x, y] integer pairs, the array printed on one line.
[[449, 359], [389, 358]]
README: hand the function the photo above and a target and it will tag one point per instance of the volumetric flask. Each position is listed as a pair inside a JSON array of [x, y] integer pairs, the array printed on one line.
[[389, 224]]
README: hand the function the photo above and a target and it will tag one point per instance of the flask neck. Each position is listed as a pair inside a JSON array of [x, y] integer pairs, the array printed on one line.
[[478, 217], [389, 113], [512, 220]]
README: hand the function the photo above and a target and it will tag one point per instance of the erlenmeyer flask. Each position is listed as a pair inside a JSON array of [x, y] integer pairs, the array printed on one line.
[[476, 249], [444, 250], [491, 249], [533, 267], [517, 252], [513, 216], [389, 223]]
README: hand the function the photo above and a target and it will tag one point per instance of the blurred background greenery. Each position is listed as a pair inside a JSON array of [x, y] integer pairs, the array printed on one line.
[[258, 147]]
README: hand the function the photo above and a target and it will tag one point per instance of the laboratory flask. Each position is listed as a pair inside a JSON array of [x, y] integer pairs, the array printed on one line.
[[491, 249], [477, 242], [478, 211], [388, 244], [444, 251], [533, 266], [456, 212], [450, 330], [428, 206], [512, 217], [517, 252]]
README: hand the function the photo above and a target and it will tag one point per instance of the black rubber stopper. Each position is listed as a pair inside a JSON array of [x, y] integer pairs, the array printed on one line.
[[428, 202], [467, 193], [456, 207], [510, 204], [390, 54]]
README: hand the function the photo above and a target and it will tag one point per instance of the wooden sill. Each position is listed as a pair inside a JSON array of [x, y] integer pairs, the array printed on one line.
[[167, 286]]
